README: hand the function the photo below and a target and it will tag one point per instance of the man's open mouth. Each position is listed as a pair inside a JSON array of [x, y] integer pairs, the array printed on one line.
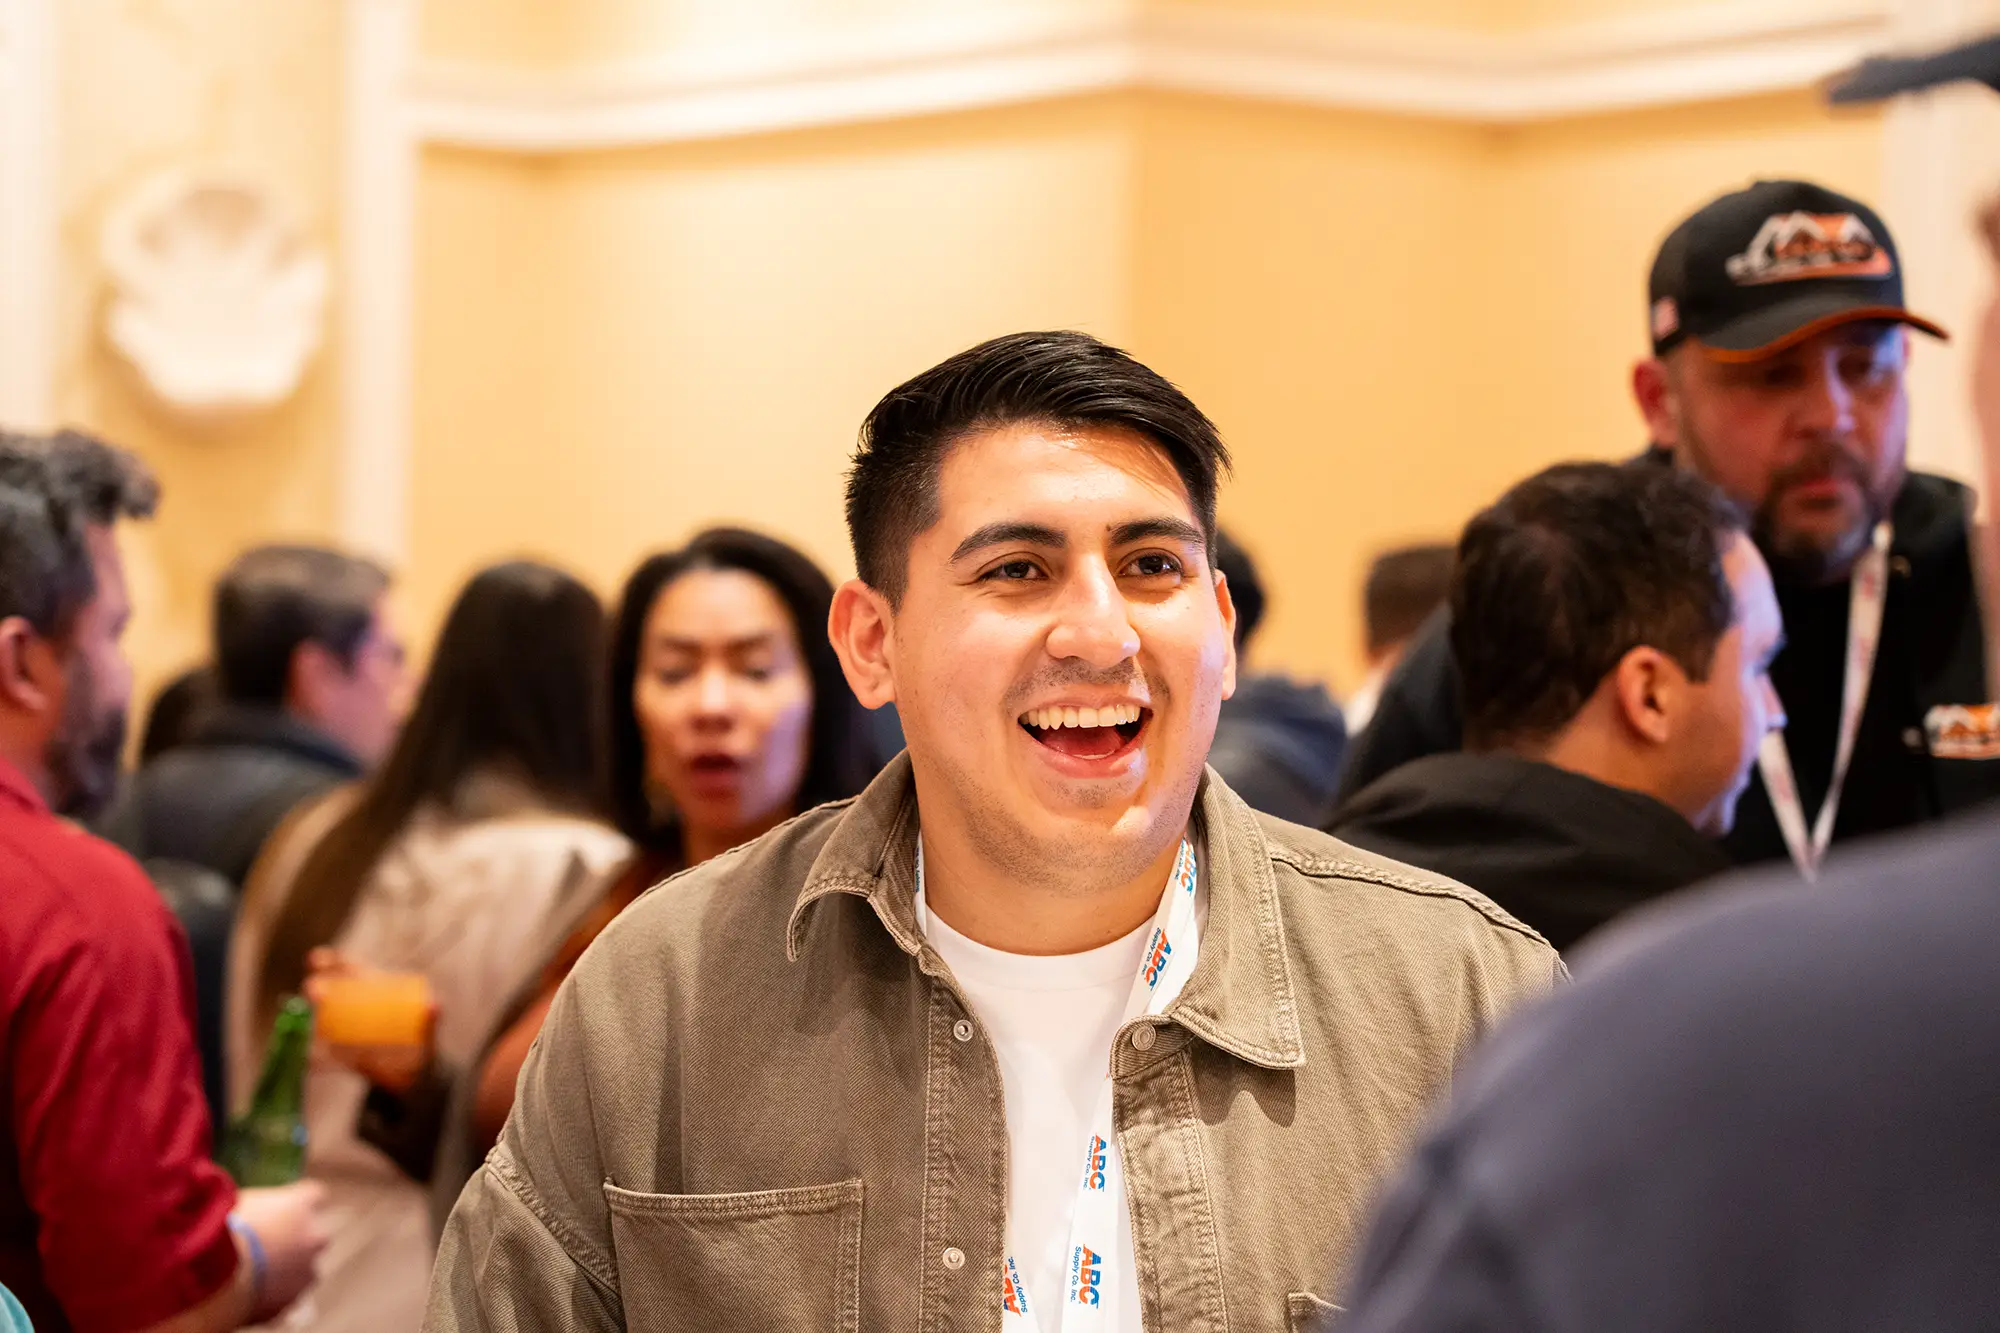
[[1087, 733]]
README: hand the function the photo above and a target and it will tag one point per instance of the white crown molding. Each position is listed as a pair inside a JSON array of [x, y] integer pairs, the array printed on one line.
[[935, 66], [28, 213]]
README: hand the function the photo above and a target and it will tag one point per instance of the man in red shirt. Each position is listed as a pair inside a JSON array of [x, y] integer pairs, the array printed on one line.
[[112, 1216]]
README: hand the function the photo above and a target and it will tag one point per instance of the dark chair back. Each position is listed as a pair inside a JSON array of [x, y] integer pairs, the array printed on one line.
[[205, 905]]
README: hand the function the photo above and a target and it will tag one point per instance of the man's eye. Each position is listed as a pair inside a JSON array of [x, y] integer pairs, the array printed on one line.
[[1153, 566], [1014, 571]]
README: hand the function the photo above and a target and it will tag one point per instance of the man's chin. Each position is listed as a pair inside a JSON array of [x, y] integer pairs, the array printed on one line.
[[1811, 554]]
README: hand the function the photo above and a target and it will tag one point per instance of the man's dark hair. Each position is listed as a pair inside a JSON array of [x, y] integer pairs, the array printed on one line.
[[1246, 590], [52, 489], [1061, 379], [1570, 571], [1404, 586], [273, 599]]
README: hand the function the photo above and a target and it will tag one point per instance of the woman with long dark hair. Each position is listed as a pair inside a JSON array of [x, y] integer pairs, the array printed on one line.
[[485, 817], [728, 715]]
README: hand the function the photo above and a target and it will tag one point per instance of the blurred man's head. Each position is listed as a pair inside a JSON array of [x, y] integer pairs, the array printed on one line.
[[65, 686], [1615, 620], [1246, 589], [307, 629], [1032, 521], [1404, 586], [1780, 344]]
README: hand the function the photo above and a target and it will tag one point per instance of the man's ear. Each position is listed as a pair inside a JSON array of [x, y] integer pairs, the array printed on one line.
[[1228, 605], [1647, 685], [858, 626], [1659, 403], [31, 673], [315, 671]]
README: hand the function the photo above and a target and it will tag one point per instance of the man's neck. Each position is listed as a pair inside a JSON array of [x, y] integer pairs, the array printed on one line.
[[1587, 752], [31, 763], [1019, 913]]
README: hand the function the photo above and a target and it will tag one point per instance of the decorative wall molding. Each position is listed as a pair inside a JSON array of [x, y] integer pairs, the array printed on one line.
[[28, 213], [931, 67], [398, 102], [378, 279]]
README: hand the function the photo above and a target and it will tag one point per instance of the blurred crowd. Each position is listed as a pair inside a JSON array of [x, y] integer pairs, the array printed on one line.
[[748, 896]]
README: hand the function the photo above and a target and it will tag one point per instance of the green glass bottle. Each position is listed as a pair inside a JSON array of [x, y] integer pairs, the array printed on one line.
[[266, 1144]]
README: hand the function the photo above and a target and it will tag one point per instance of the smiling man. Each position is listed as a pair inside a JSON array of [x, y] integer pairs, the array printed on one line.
[[1047, 1030]]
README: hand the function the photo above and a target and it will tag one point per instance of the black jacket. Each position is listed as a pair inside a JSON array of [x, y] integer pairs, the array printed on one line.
[[1932, 657], [1769, 1109], [1278, 744], [214, 801], [1562, 852]]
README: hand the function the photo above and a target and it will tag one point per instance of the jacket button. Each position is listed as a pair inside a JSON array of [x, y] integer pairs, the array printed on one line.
[[1913, 739], [954, 1258], [962, 1030], [1143, 1037]]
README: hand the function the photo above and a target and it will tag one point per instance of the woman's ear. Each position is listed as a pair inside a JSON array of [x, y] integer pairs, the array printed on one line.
[[1648, 691], [30, 672], [858, 627]]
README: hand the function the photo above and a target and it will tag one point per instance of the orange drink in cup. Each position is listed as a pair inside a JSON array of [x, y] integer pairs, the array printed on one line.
[[378, 1009]]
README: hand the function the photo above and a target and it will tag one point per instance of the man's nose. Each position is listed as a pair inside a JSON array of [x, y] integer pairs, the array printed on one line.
[[1828, 409], [1092, 624], [1774, 708]]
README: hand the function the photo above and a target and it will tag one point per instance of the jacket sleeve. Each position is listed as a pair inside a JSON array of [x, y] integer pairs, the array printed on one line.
[[528, 1246], [1419, 713]]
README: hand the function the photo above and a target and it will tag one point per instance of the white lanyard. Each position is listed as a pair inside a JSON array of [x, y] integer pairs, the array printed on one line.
[[1867, 593], [1093, 1233]]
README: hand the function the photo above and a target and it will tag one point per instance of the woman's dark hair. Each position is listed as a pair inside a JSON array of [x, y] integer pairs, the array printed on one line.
[[839, 760], [515, 685]]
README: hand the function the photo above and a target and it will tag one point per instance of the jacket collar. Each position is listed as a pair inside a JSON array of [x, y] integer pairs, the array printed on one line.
[[1240, 998], [268, 727]]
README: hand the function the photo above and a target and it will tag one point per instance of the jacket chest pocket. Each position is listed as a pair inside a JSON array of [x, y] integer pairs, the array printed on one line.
[[715, 1263]]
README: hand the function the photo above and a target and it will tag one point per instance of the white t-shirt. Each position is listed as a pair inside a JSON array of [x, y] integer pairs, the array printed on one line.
[[1052, 1021]]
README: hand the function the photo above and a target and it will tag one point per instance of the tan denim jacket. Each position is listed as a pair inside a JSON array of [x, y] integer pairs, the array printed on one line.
[[762, 1104]]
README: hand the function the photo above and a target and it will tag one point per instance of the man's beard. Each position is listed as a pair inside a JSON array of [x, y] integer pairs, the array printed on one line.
[[83, 756], [1799, 557]]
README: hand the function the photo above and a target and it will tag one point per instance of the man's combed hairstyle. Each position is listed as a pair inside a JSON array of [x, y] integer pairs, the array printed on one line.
[[1570, 571], [1061, 379], [52, 489], [275, 598]]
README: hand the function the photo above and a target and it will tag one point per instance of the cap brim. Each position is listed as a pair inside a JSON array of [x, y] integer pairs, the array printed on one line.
[[1886, 76], [1770, 331]]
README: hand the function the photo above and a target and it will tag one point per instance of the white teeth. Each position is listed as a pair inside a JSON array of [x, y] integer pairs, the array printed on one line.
[[1113, 715]]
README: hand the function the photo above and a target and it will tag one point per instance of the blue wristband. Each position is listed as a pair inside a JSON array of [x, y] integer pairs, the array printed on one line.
[[259, 1264]]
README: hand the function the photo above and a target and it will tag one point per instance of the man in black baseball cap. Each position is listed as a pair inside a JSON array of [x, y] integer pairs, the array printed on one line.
[[1780, 337]]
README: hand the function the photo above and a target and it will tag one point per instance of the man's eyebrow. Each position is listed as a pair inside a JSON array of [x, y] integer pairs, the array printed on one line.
[[997, 534], [1146, 529]]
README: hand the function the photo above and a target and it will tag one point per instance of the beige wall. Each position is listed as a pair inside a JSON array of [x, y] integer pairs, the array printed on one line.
[[1390, 318], [618, 349], [152, 83]]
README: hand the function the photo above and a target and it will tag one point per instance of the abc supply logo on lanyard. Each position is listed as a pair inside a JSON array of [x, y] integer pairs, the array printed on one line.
[[1868, 593], [1087, 1278]]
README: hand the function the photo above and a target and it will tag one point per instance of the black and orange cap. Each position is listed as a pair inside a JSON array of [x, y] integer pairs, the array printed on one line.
[[1764, 268]]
